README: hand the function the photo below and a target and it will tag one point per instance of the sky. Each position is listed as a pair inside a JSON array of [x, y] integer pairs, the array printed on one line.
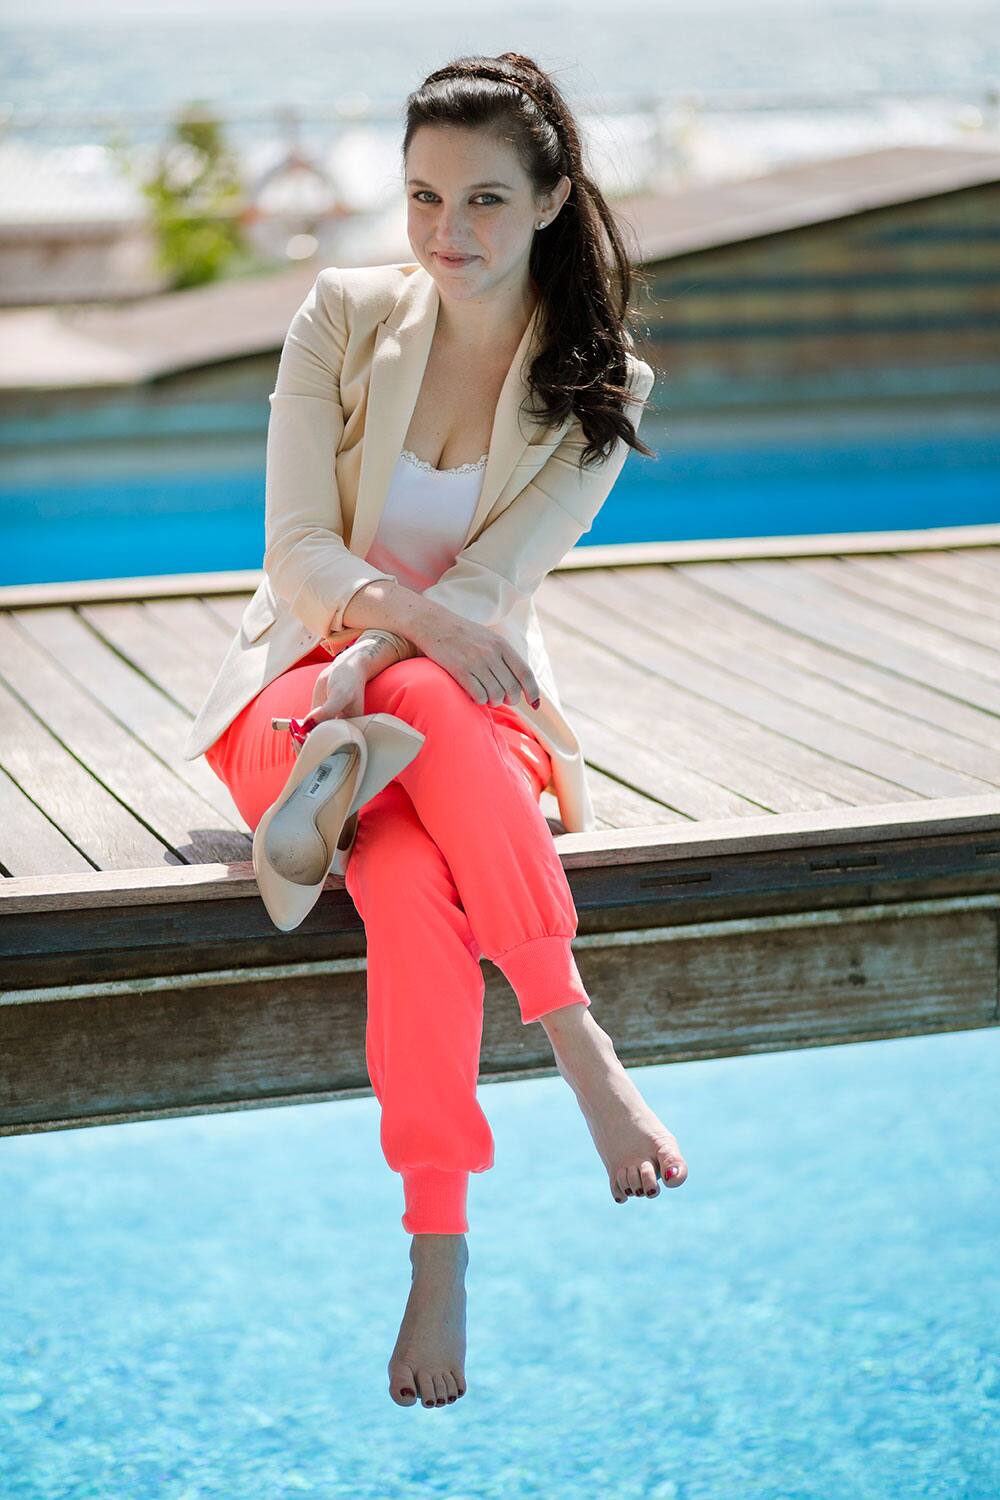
[[13, 11]]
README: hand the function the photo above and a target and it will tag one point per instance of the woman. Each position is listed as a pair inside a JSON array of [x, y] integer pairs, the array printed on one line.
[[461, 505]]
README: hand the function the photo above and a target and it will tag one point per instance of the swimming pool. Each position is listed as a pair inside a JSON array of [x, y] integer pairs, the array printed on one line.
[[133, 487], [204, 1307]]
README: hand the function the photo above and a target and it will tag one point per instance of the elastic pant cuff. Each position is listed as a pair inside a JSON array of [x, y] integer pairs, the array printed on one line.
[[543, 975], [436, 1201]]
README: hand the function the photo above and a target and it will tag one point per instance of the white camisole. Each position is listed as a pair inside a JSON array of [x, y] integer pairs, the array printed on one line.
[[425, 519], [423, 526]]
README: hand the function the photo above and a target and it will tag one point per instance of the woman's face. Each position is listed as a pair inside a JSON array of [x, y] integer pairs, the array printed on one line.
[[468, 196]]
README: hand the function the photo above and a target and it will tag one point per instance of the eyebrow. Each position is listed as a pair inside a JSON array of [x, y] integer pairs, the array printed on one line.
[[473, 186]]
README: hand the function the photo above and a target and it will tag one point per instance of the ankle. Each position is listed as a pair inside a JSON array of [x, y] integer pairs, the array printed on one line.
[[580, 1050], [440, 1245], [573, 1024]]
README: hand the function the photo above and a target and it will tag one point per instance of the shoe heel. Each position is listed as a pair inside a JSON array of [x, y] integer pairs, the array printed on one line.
[[392, 744]]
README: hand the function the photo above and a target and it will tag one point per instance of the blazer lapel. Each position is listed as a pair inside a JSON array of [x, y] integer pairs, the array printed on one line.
[[402, 348]]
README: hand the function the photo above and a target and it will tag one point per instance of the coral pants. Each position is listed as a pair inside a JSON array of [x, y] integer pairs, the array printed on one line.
[[453, 860]]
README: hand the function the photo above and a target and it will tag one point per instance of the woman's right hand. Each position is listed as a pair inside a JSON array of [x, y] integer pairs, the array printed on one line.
[[482, 662], [338, 693]]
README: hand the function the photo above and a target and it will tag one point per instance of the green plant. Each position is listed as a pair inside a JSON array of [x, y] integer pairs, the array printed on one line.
[[197, 200]]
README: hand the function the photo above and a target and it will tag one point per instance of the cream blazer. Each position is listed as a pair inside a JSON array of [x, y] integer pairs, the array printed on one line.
[[352, 366]]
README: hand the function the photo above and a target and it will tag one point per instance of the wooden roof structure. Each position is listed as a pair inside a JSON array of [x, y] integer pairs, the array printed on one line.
[[793, 751], [108, 345], [706, 215]]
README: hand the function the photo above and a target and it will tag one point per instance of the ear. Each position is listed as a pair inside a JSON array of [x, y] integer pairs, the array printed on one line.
[[554, 201]]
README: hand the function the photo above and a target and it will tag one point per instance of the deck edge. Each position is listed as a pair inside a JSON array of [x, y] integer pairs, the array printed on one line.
[[627, 846], [610, 555]]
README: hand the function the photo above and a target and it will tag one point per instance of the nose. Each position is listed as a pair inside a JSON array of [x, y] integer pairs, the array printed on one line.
[[451, 226]]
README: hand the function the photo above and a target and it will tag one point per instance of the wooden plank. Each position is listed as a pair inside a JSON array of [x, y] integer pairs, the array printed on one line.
[[875, 587], [799, 980], [636, 709], [680, 792], [29, 843], [830, 600], [669, 682], [828, 664], [228, 609], [176, 815], [86, 1054], [988, 557], [177, 670], [984, 537], [964, 570], [616, 804], [103, 829], [841, 628], [191, 621], [618, 849], [738, 653], [155, 586], [945, 588], [117, 942], [849, 974], [151, 717]]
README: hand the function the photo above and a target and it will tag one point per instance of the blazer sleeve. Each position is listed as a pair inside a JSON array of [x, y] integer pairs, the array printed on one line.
[[512, 555], [305, 556]]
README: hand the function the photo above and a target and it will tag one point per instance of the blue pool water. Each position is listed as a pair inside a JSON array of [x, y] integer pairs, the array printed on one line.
[[205, 1307], [131, 516]]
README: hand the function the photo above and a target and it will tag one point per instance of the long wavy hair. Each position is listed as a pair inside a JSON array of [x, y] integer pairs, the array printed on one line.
[[584, 280]]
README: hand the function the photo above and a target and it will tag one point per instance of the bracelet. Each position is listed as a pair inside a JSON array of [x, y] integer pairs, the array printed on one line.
[[399, 643]]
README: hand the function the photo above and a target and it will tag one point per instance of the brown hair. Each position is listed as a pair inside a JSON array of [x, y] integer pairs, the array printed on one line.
[[584, 285]]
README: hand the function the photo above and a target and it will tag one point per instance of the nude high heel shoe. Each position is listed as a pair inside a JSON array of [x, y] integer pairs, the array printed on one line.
[[309, 830]]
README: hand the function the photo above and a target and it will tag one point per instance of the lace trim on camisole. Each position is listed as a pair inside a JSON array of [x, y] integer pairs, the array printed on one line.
[[421, 463]]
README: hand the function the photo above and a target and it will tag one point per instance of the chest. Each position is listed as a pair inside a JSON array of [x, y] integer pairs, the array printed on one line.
[[453, 417]]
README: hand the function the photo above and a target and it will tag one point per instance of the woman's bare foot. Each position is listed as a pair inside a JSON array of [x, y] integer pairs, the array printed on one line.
[[635, 1146], [428, 1361]]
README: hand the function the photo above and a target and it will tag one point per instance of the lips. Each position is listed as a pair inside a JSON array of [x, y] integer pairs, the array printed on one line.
[[455, 260]]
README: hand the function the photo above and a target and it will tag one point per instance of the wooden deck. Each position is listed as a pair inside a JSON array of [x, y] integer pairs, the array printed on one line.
[[793, 752]]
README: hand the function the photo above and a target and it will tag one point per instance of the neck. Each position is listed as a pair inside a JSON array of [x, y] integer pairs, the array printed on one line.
[[489, 322]]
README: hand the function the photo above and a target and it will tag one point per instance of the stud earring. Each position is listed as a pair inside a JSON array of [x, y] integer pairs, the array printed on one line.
[[540, 224]]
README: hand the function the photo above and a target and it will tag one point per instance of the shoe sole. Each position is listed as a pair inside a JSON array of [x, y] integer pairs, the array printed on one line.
[[310, 821]]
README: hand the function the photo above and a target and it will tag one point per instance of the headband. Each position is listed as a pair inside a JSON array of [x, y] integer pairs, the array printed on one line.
[[514, 83]]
